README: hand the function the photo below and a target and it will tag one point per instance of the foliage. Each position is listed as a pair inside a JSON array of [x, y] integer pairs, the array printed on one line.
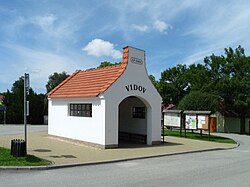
[[106, 63], [197, 100], [196, 77], [55, 79], [178, 81], [37, 108], [154, 81], [225, 78], [173, 86], [230, 79], [221, 83], [14, 101]]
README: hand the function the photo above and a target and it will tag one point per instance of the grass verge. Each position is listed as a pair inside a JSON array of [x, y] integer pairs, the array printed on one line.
[[197, 136], [7, 160]]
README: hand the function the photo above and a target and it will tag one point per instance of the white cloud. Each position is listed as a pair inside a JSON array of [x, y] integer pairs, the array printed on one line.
[[199, 54], [45, 22], [223, 25], [217, 29], [141, 28], [38, 63], [161, 26], [98, 47], [56, 29], [157, 25]]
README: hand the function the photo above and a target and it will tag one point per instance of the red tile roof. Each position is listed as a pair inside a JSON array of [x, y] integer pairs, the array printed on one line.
[[90, 83], [1, 98]]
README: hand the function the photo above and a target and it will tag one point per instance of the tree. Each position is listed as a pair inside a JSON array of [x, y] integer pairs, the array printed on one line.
[[196, 77], [55, 79], [106, 63], [37, 107], [197, 100], [14, 101], [230, 80], [154, 81], [7, 99], [172, 85]]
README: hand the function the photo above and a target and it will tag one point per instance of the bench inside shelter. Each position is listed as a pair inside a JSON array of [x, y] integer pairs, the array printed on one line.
[[132, 137]]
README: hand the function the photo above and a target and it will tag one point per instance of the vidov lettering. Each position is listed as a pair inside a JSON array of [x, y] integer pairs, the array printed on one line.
[[135, 87]]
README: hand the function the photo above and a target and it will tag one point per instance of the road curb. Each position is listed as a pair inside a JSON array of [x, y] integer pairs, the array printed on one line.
[[50, 167]]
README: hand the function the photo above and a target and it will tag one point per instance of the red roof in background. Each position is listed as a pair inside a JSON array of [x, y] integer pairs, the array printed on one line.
[[1, 98], [90, 83]]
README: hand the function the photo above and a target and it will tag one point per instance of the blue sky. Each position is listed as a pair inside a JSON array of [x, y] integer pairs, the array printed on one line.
[[46, 36]]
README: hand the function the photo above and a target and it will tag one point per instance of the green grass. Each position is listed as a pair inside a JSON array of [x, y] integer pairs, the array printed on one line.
[[197, 136], [7, 160]]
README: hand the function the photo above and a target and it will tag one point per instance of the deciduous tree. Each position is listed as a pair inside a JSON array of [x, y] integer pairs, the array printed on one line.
[[231, 81], [55, 79], [14, 101], [198, 100]]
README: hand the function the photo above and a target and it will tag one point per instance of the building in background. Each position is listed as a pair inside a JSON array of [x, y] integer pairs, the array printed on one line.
[[1, 99]]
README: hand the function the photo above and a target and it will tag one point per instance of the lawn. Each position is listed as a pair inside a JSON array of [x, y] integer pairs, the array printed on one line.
[[7, 160], [197, 136]]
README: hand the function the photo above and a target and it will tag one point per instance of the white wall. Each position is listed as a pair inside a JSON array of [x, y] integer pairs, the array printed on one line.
[[134, 74], [102, 128], [89, 129], [126, 122]]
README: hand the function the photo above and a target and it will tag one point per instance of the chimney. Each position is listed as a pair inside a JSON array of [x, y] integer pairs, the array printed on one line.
[[125, 55]]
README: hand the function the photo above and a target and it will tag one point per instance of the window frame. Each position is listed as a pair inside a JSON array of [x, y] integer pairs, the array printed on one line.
[[139, 112], [80, 109]]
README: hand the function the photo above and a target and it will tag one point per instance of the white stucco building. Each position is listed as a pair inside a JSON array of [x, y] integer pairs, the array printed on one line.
[[102, 105]]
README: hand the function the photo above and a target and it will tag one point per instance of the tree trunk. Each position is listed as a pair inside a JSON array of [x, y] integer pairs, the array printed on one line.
[[242, 123]]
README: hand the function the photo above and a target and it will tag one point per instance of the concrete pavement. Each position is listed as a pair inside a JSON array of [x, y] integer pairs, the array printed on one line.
[[64, 153]]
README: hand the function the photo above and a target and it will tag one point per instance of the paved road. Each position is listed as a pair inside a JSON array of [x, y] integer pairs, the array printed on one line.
[[19, 129], [215, 168]]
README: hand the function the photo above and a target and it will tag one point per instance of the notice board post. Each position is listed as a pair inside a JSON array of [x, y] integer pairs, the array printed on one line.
[[173, 119], [197, 120]]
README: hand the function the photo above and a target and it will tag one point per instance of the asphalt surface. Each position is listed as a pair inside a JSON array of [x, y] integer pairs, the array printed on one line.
[[224, 168], [19, 129], [64, 153]]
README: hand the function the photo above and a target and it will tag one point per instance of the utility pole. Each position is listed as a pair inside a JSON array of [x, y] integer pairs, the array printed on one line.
[[26, 105]]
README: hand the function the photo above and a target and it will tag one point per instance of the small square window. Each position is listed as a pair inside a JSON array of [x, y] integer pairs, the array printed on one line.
[[139, 112]]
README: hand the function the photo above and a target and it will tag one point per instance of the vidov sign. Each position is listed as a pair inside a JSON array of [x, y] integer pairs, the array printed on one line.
[[136, 60], [135, 87]]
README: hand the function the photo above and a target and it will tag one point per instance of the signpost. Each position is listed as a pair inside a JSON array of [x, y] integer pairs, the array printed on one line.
[[4, 109], [26, 103]]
